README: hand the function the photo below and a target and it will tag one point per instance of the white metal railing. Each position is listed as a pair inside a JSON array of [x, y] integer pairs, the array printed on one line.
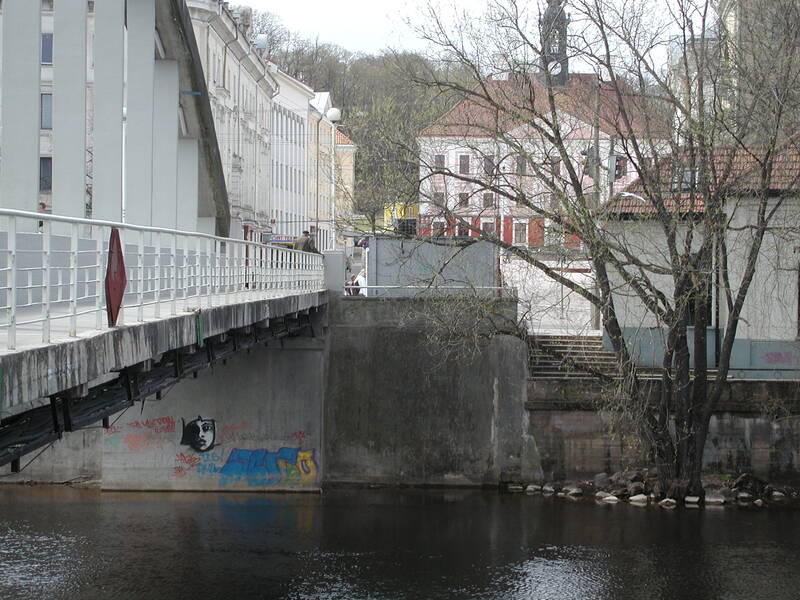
[[52, 274]]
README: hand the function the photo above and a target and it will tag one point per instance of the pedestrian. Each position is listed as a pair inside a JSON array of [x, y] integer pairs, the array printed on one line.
[[305, 243]]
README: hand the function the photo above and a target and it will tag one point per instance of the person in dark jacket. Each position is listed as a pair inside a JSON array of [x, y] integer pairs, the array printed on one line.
[[305, 243]]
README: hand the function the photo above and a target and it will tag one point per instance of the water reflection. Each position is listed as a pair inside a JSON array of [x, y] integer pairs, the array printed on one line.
[[60, 542]]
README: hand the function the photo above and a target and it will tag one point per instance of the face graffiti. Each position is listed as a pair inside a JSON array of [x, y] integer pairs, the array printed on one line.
[[199, 434]]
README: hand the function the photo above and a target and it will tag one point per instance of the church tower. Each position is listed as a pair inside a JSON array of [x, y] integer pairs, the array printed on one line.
[[554, 43]]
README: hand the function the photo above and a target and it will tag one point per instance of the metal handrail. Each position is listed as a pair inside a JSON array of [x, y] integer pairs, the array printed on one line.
[[51, 276]]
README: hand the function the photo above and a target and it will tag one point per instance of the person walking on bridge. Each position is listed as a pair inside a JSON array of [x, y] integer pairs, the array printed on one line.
[[305, 243]]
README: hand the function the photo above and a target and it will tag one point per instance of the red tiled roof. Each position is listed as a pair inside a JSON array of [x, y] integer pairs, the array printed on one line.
[[342, 139], [738, 172], [491, 111]]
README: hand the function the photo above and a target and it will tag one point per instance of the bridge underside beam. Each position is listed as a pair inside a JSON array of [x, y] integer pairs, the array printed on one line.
[[31, 430]]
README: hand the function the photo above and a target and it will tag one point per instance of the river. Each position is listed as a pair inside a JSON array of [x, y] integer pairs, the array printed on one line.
[[59, 542]]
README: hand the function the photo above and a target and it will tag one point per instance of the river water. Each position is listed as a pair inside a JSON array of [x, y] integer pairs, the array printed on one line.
[[58, 542]]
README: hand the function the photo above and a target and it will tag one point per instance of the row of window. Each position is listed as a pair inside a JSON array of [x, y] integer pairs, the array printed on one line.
[[521, 165], [520, 230], [487, 199]]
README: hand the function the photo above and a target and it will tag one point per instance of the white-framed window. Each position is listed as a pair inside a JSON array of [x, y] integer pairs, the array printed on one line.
[[488, 226], [46, 111], [463, 199], [520, 233], [438, 161], [47, 49], [463, 164], [488, 200]]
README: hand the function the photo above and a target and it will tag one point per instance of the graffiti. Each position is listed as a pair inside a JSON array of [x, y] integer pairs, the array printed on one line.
[[299, 435], [780, 358], [230, 433], [199, 434], [159, 425], [140, 441], [262, 467], [186, 462], [112, 430]]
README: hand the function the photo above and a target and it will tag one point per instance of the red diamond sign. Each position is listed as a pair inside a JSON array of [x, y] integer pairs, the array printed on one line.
[[115, 278]]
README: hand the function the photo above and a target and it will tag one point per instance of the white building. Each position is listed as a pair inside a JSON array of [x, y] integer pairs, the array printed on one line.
[[116, 127], [241, 87]]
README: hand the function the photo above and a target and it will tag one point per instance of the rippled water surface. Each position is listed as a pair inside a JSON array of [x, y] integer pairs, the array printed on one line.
[[67, 543]]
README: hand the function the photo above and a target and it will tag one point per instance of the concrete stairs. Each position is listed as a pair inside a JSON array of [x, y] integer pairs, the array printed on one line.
[[568, 356]]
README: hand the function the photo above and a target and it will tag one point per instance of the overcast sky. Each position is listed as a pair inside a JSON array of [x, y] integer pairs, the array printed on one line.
[[357, 25]]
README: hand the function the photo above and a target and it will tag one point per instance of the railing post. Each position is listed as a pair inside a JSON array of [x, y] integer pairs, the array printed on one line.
[[99, 286], [227, 275], [73, 283], [174, 291], [46, 282], [12, 287], [157, 278], [209, 274], [140, 294]]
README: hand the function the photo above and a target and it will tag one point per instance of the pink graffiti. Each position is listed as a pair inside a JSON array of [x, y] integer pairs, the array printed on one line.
[[299, 435], [159, 425], [112, 430], [780, 358], [228, 432], [140, 441]]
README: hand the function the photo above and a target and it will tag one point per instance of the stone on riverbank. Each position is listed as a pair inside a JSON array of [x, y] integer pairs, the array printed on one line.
[[514, 487], [601, 494], [668, 503], [533, 489], [601, 480], [715, 499], [548, 489], [573, 490], [692, 500], [610, 499], [639, 499]]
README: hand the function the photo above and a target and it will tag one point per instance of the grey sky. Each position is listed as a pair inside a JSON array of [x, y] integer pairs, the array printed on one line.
[[358, 25]]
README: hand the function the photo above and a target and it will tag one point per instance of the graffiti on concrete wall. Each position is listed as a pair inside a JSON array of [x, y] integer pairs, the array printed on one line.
[[200, 434], [140, 435], [253, 467]]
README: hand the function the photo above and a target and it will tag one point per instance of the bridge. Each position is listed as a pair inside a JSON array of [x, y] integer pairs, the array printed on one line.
[[143, 347]]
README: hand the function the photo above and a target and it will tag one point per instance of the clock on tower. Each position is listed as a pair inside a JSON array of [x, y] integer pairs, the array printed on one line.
[[554, 43]]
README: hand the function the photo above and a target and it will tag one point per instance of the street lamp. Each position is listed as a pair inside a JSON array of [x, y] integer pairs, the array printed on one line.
[[334, 116]]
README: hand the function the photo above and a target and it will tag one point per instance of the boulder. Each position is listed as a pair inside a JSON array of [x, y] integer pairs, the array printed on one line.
[[715, 499], [619, 492], [533, 489], [610, 499], [635, 488], [573, 490], [748, 482], [668, 503], [759, 502], [548, 489], [777, 495], [692, 500], [601, 494], [601, 480], [744, 497], [515, 487], [638, 499]]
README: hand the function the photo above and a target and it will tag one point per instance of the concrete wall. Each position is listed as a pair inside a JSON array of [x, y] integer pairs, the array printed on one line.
[[574, 442], [77, 457], [399, 412], [266, 411]]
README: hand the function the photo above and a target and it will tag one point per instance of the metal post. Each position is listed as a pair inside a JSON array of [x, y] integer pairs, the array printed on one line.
[[12, 287], [140, 291], [99, 280], [209, 275], [157, 277], [174, 286], [46, 282], [73, 283]]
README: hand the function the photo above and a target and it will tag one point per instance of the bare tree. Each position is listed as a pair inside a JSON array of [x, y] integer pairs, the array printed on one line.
[[704, 120]]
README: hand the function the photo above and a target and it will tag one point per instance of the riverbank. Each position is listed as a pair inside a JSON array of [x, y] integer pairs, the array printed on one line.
[[643, 487]]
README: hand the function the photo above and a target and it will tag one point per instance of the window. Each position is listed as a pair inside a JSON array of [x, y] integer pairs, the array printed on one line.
[[438, 161], [437, 228], [463, 199], [438, 198], [522, 165], [45, 173], [47, 48], [488, 165], [463, 231], [520, 234], [463, 164], [488, 200], [488, 227], [46, 111]]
